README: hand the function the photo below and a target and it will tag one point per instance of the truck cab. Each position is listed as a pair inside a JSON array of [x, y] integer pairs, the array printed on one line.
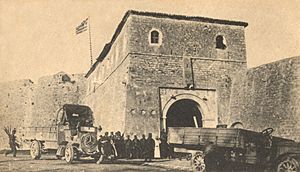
[[73, 134], [76, 135]]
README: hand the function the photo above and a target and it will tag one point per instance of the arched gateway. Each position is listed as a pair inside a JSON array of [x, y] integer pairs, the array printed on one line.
[[184, 110], [184, 113]]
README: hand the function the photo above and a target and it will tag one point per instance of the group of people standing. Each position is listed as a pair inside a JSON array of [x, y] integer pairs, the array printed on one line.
[[126, 147], [113, 144]]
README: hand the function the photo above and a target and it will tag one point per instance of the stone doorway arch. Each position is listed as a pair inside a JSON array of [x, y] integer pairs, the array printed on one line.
[[186, 99], [184, 113]]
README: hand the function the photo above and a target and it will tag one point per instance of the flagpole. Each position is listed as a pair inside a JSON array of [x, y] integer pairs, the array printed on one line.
[[90, 41]]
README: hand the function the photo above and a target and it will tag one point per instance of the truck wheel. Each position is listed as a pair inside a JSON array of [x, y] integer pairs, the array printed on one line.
[[35, 149], [288, 164], [69, 154], [198, 162]]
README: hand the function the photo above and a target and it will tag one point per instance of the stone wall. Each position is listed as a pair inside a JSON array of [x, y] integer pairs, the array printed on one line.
[[188, 38], [187, 56], [15, 104], [269, 96], [106, 91], [148, 73], [26, 104], [52, 92], [218, 75], [126, 92], [108, 99]]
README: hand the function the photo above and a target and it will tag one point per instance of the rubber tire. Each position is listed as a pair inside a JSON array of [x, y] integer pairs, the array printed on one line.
[[69, 154], [289, 160], [35, 149]]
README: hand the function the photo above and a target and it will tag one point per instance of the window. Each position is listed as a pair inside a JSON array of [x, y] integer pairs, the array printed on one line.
[[220, 42], [154, 37]]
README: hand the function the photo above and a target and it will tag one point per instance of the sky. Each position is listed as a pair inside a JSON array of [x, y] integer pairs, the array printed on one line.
[[37, 37]]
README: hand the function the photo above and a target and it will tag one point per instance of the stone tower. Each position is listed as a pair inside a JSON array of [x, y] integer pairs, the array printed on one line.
[[162, 70]]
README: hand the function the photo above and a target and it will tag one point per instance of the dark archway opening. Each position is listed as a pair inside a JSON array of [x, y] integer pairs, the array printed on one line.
[[184, 113]]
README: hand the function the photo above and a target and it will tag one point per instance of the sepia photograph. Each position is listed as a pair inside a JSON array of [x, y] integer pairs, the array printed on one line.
[[150, 85]]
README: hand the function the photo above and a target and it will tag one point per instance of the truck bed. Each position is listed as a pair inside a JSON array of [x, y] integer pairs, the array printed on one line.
[[47, 134], [223, 137]]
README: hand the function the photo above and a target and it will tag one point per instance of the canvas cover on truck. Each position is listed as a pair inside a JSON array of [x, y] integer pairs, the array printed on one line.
[[77, 113]]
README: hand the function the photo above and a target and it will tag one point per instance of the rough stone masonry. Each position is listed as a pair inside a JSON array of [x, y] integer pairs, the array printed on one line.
[[159, 62], [162, 70], [25, 104], [158, 66]]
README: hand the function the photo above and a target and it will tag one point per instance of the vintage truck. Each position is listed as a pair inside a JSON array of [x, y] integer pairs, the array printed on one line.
[[233, 149], [72, 136]]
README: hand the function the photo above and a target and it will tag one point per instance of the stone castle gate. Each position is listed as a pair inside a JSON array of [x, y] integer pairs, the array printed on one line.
[[194, 108]]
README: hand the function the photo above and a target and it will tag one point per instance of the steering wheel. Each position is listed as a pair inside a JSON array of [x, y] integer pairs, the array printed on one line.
[[267, 131]]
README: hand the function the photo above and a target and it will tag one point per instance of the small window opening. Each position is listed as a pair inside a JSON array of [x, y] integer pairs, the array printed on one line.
[[154, 37], [220, 42]]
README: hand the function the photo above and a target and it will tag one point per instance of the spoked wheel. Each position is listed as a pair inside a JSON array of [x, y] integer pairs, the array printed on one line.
[[35, 149], [288, 164], [198, 162], [69, 154]]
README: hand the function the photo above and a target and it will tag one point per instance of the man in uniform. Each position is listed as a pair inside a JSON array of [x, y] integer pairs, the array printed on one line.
[[105, 147], [163, 146], [136, 147], [150, 147], [119, 143], [143, 147], [106, 137], [112, 136], [12, 141], [128, 147]]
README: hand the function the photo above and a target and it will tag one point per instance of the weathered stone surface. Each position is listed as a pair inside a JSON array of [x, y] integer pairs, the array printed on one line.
[[51, 92], [26, 104], [132, 86], [186, 38], [269, 96], [107, 85], [16, 102], [125, 93]]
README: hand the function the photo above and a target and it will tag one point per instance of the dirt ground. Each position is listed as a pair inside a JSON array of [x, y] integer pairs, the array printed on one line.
[[50, 163]]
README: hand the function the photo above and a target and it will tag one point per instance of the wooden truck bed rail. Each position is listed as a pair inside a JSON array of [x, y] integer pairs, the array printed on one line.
[[202, 136], [46, 134]]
